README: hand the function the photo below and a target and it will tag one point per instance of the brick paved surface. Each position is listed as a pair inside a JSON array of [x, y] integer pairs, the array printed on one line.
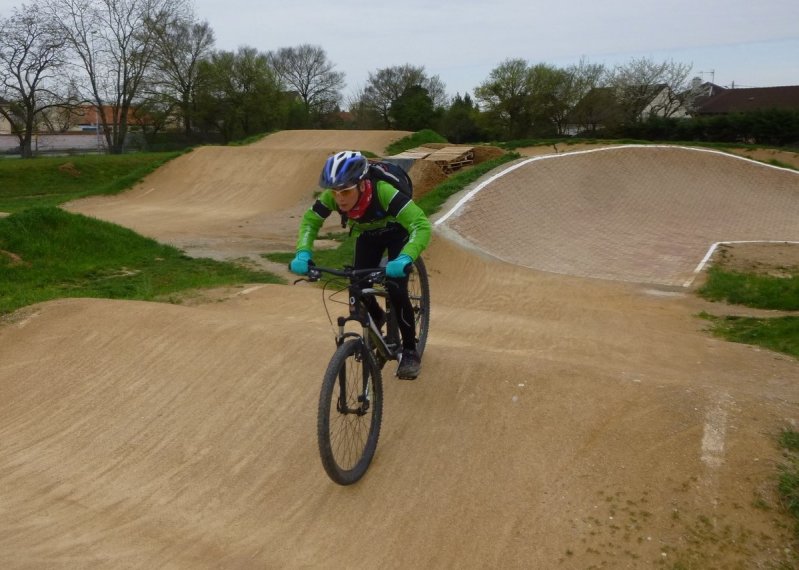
[[641, 214]]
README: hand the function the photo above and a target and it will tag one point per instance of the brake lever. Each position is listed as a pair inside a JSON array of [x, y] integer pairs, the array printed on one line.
[[312, 277]]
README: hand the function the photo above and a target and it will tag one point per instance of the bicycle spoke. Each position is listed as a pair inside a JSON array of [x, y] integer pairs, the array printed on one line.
[[350, 411]]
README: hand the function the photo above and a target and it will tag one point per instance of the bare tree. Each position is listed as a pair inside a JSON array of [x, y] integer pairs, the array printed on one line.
[[306, 70], [114, 42], [30, 61], [181, 44], [363, 115], [644, 87], [385, 86]]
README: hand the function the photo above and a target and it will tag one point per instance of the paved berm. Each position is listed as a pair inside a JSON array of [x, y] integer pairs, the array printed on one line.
[[572, 411]]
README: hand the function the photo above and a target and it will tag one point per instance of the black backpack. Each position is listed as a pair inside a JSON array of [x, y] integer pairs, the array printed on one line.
[[392, 173], [389, 172]]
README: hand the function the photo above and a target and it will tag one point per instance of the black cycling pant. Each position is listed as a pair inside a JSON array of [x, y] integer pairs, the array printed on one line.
[[369, 249]]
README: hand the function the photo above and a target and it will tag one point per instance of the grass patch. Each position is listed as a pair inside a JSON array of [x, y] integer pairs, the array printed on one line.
[[524, 143], [788, 484], [777, 333], [412, 141], [251, 139], [758, 291], [49, 253], [50, 181], [752, 290], [335, 257]]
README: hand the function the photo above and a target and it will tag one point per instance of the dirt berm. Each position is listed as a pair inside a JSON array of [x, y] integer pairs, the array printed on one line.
[[571, 412]]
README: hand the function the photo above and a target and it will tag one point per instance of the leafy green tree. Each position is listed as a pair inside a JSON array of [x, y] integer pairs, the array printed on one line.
[[385, 86], [238, 94], [545, 101], [506, 97], [413, 110], [460, 122], [597, 111]]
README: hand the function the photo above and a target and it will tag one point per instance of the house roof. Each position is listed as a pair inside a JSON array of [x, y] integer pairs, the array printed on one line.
[[703, 93], [752, 99]]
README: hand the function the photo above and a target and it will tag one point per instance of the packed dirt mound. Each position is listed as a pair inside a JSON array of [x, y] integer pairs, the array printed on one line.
[[546, 431], [634, 213], [219, 191], [558, 422], [426, 174], [233, 202]]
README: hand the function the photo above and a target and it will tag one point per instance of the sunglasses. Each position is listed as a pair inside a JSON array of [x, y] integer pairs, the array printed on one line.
[[345, 191]]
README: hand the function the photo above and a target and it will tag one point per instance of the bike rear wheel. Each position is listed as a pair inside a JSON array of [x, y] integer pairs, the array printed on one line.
[[419, 292], [350, 412]]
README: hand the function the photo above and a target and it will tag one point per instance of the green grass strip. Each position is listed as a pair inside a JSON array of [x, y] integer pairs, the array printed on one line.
[[48, 253], [433, 200], [758, 291], [788, 484], [777, 333], [752, 290], [418, 138], [50, 181]]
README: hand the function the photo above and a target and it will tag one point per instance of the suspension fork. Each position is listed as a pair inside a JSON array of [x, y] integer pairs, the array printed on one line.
[[364, 397]]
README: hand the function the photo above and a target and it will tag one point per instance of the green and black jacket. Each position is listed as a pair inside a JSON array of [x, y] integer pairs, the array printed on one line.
[[388, 205]]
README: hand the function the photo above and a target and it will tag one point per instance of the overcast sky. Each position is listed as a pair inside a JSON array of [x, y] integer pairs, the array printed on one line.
[[740, 42]]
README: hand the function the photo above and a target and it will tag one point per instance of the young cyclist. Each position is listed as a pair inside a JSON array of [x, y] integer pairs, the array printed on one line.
[[382, 219]]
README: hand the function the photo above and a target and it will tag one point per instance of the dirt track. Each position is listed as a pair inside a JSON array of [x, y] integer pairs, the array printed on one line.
[[560, 421]]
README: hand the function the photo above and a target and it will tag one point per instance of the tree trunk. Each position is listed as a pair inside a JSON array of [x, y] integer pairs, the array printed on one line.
[[26, 139]]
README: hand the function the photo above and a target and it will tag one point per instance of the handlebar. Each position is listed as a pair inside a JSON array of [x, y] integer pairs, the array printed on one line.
[[376, 274]]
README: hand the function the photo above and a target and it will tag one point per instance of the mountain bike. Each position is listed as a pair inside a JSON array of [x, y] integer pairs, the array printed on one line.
[[351, 400]]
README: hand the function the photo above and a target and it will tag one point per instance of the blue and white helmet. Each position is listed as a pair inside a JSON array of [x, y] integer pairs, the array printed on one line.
[[343, 169]]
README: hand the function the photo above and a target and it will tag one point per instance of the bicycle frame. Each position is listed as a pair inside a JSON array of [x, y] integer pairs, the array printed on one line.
[[387, 347]]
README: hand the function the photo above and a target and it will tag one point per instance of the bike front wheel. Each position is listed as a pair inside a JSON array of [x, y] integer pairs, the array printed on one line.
[[350, 412]]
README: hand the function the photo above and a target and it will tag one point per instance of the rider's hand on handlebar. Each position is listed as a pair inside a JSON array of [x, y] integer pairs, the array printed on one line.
[[299, 264], [397, 268]]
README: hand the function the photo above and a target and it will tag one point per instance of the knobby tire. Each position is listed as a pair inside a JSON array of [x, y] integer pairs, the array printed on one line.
[[347, 442]]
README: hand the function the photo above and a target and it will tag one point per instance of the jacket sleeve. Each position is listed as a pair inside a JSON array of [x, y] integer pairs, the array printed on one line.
[[312, 221], [411, 217]]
